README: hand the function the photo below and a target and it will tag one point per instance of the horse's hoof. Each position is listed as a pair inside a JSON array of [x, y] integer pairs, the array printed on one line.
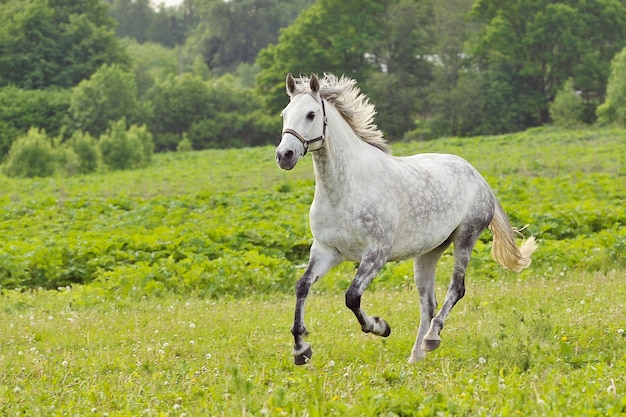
[[386, 331], [428, 345], [304, 355]]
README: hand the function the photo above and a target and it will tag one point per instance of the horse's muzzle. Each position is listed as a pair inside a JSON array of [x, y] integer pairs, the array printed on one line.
[[286, 159]]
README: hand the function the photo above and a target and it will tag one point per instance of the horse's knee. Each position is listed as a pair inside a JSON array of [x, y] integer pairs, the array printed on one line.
[[353, 299], [302, 288]]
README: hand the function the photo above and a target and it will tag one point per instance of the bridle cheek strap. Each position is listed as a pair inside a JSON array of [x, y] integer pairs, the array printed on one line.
[[305, 142]]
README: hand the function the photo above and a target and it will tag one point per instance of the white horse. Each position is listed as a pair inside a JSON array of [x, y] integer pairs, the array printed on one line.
[[371, 207]]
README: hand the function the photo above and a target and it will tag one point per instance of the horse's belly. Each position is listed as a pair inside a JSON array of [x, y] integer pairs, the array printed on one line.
[[414, 242]]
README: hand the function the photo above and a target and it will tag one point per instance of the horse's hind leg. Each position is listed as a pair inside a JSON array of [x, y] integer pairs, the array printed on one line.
[[370, 265], [464, 239], [424, 270]]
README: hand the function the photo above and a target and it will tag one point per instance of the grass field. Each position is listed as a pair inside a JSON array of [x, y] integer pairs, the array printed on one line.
[[544, 346], [187, 269]]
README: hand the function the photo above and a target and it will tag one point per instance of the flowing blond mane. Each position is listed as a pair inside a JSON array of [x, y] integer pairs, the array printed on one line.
[[352, 104]]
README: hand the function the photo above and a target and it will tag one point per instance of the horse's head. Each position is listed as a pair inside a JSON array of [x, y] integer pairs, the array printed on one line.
[[304, 123]]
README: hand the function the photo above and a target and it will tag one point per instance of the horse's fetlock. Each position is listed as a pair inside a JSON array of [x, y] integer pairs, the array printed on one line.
[[299, 331]]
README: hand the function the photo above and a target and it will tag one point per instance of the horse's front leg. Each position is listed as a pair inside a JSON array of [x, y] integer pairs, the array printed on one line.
[[321, 260], [370, 265]]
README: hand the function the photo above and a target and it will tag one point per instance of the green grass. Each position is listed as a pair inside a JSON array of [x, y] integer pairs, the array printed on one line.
[[542, 346], [189, 265]]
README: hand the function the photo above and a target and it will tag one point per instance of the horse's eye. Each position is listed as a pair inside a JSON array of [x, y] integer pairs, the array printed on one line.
[[310, 116]]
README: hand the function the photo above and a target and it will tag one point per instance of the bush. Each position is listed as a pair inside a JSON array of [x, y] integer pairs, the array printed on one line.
[[31, 156], [184, 145], [122, 149], [86, 149], [234, 130], [567, 109], [613, 110]]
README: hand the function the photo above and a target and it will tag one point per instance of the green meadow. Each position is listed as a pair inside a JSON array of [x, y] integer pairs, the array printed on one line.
[[168, 291]]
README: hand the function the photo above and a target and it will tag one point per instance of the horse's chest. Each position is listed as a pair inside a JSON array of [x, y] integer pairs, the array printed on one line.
[[350, 228]]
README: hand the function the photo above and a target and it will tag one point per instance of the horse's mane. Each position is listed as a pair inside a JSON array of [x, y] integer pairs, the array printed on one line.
[[352, 104]]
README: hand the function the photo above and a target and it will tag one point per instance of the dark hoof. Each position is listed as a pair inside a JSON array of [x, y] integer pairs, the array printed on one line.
[[304, 356], [430, 345]]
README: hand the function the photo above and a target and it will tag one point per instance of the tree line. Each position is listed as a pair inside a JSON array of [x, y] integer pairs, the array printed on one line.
[[211, 73]]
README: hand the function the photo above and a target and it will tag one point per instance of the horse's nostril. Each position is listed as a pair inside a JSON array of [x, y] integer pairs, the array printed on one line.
[[288, 155]]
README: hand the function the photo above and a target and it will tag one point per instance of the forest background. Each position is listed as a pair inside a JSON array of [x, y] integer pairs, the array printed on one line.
[[92, 84]]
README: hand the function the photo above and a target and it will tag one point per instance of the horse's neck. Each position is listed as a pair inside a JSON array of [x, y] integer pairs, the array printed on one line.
[[339, 159]]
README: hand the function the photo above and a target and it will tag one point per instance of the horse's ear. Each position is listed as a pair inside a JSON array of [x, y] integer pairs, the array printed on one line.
[[291, 85], [314, 83]]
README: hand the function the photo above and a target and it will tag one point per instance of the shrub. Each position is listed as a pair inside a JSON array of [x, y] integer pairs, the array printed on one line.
[[184, 145], [122, 149], [143, 136], [567, 109], [84, 146], [613, 110], [31, 156]]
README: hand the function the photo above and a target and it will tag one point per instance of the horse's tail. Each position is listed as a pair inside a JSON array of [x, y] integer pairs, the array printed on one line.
[[504, 250]]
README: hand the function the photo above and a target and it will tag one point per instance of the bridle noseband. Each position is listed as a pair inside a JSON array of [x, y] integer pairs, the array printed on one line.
[[305, 142]]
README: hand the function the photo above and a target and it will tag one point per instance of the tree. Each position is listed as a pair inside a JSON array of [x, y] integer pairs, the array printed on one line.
[[334, 36], [399, 91], [237, 118], [109, 95], [138, 20], [454, 98], [21, 110], [230, 33], [134, 18], [176, 104], [545, 42], [47, 43], [613, 110]]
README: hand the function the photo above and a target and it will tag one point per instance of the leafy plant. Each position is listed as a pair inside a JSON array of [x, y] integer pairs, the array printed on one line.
[[31, 156], [126, 149]]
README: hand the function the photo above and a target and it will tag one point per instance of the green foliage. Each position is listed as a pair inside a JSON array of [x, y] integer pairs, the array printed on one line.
[[177, 103], [184, 145], [613, 110], [567, 108], [215, 114], [544, 43], [86, 149], [139, 20], [219, 223], [31, 156], [52, 43], [21, 110], [330, 36], [126, 149], [109, 95]]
